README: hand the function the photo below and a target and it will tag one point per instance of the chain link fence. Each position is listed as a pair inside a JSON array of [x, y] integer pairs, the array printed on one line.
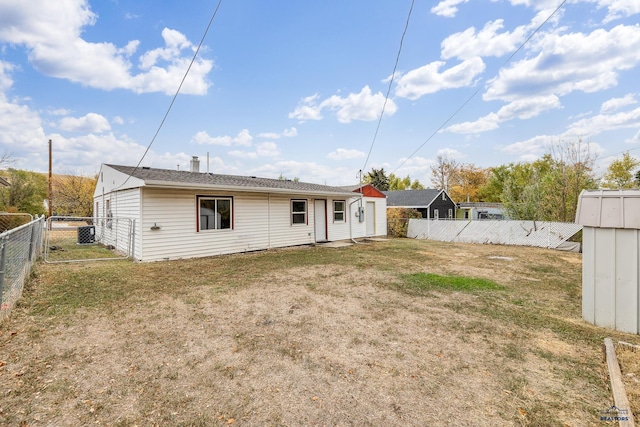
[[19, 249], [74, 239]]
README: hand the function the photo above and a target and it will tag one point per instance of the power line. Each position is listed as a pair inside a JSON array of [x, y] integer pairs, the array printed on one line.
[[393, 74], [173, 100], [478, 90]]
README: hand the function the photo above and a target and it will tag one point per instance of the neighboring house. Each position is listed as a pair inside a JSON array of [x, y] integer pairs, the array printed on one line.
[[187, 214], [480, 210], [431, 203]]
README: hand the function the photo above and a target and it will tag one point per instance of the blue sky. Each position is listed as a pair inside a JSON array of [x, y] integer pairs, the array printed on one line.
[[296, 88]]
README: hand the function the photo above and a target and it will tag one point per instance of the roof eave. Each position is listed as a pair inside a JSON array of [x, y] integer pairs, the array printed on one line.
[[193, 186]]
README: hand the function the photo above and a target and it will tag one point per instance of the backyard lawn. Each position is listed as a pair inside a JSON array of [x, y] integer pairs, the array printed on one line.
[[403, 332]]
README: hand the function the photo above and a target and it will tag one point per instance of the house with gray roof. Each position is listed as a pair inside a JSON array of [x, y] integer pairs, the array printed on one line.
[[431, 203], [187, 214]]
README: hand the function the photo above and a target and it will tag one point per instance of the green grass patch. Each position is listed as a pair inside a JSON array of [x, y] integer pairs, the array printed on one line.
[[429, 281]]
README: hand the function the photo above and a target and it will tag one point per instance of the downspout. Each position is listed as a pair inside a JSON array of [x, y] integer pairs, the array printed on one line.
[[357, 200], [351, 219]]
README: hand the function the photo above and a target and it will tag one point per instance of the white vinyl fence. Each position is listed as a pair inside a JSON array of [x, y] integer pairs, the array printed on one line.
[[499, 232]]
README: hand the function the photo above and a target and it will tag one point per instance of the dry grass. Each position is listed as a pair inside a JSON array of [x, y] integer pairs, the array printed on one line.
[[307, 336], [629, 360]]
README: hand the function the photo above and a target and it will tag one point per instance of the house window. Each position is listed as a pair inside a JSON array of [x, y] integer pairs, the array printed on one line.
[[298, 212], [450, 213], [436, 214], [109, 214], [444, 197], [215, 213], [338, 210]]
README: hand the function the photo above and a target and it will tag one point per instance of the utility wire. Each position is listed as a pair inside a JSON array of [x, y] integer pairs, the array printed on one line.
[[386, 98], [173, 100], [455, 113]]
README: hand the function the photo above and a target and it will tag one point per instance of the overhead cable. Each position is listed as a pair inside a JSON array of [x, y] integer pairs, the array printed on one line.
[[393, 74], [173, 100], [478, 90]]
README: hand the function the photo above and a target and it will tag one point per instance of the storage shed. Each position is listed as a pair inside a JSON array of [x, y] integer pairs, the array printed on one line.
[[611, 258]]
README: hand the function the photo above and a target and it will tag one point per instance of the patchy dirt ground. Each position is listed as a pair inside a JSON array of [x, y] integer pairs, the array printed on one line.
[[311, 336]]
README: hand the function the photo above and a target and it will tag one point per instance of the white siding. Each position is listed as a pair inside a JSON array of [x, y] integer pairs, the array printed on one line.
[[260, 221], [123, 205]]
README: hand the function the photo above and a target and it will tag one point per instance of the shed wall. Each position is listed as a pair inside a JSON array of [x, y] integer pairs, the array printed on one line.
[[611, 278]]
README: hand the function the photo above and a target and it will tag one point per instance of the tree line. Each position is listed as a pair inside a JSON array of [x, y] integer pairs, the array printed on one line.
[[72, 194], [546, 189]]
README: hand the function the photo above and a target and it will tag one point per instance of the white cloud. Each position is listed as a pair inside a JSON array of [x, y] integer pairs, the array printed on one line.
[[118, 120], [566, 64], [243, 138], [52, 31], [428, 78], [635, 139], [619, 8], [90, 123], [617, 103], [364, 106], [307, 109], [535, 147], [447, 8], [592, 126], [486, 42], [267, 149], [291, 132], [523, 109], [450, 153], [344, 154]]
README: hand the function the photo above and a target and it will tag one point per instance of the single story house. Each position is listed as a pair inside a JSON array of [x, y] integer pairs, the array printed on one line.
[[186, 214], [480, 210], [431, 203]]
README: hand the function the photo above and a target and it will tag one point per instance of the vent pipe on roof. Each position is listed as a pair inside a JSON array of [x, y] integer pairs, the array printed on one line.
[[195, 164]]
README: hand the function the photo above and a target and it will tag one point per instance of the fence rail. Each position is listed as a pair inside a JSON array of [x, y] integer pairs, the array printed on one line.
[[19, 249], [499, 232]]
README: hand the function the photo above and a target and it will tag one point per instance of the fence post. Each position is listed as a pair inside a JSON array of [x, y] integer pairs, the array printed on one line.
[[3, 257]]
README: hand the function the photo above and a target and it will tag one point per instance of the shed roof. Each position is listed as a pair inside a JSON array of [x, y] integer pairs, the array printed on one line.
[[412, 197], [609, 209], [172, 178]]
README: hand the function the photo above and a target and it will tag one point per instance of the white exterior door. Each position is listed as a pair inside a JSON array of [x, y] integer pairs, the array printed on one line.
[[371, 218], [321, 220]]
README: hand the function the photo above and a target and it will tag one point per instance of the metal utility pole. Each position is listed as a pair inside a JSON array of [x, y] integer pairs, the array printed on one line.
[[50, 175]]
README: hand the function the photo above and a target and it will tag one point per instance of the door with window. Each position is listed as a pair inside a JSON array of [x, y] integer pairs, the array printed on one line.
[[320, 215]]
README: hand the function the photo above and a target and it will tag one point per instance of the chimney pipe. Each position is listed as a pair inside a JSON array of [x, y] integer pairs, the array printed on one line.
[[195, 164]]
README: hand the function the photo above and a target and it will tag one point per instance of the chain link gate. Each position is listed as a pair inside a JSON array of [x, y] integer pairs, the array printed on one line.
[[74, 239]]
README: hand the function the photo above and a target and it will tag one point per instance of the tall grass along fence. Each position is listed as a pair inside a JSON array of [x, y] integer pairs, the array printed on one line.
[[19, 250], [74, 239], [551, 235]]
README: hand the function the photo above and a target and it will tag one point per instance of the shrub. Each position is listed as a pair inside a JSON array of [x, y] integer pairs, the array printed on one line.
[[398, 220]]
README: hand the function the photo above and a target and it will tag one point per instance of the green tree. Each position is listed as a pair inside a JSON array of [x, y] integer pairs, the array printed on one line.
[[378, 178], [619, 174], [547, 189], [27, 192], [638, 179], [397, 183]]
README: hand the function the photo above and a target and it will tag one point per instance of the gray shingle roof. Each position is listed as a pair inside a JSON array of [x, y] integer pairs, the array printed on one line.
[[158, 176], [411, 197]]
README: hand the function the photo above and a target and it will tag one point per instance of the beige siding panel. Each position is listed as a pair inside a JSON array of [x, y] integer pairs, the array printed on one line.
[[175, 213], [283, 233], [124, 205]]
